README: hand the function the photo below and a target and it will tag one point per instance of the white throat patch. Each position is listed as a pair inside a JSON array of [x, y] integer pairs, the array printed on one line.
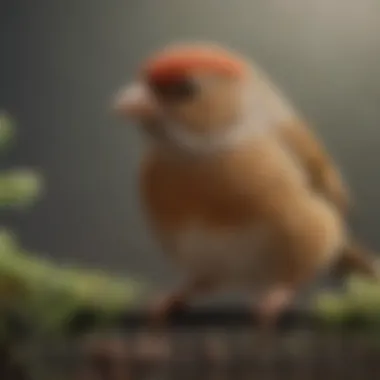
[[208, 143]]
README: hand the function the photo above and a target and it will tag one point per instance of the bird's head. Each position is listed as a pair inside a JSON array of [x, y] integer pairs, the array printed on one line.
[[196, 97]]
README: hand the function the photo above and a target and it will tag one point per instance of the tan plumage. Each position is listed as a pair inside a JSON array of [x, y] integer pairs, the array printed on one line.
[[236, 187], [327, 180]]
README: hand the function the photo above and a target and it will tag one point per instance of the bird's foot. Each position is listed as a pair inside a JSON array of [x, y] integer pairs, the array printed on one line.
[[164, 306], [176, 301]]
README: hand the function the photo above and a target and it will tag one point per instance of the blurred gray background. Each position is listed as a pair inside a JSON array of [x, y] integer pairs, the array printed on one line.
[[62, 61]]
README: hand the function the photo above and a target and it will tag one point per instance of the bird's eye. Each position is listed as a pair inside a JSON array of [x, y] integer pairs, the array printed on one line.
[[178, 90]]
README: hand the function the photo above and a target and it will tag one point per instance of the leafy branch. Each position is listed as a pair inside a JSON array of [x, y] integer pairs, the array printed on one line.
[[42, 293]]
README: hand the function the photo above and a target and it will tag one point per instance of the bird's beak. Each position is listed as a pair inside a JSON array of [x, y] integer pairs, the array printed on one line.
[[134, 102]]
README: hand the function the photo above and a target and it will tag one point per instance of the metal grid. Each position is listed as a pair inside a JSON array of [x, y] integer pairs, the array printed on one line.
[[217, 345]]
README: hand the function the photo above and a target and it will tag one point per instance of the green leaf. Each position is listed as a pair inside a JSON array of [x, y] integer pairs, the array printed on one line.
[[364, 296], [8, 243], [7, 130], [19, 188], [331, 308], [360, 300], [51, 294]]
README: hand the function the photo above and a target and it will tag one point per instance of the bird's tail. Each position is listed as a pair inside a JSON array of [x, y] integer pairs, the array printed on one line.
[[358, 260]]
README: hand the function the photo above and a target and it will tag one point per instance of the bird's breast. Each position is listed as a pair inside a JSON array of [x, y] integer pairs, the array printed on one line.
[[236, 255], [212, 216]]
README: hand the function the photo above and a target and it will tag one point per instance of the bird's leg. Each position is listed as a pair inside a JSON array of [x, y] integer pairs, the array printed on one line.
[[177, 299], [273, 303]]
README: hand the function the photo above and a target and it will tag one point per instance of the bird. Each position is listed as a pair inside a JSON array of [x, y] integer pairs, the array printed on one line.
[[236, 186]]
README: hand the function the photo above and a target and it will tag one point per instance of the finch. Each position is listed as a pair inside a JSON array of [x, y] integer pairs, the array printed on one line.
[[236, 186]]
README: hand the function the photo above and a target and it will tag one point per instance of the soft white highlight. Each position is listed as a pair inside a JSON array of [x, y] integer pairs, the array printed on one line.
[[235, 255]]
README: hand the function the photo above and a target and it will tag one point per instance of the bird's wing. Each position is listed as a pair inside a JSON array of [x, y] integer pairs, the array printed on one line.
[[324, 176]]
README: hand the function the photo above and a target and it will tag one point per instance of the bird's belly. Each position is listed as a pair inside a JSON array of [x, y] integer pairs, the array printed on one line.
[[232, 255]]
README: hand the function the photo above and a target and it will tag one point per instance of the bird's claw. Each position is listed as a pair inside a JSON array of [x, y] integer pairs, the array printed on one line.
[[164, 306]]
